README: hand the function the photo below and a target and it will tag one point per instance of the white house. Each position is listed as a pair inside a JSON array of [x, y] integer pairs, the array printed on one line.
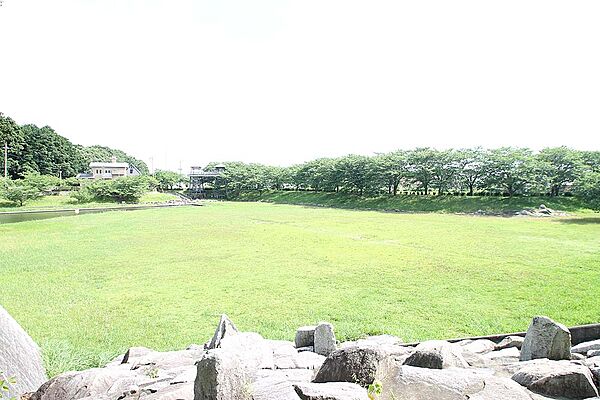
[[110, 170]]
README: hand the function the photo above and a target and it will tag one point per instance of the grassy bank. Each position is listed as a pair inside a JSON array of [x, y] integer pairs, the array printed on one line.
[[413, 203], [66, 201], [87, 287]]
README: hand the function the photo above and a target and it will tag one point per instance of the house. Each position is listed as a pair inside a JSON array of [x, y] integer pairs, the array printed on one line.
[[110, 170]]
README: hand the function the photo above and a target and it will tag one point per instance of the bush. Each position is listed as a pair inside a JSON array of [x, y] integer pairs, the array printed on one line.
[[587, 187], [127, 189], [43, 183], [19, 192]]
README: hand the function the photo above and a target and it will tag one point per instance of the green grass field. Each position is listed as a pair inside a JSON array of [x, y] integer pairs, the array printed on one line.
[[87, 287], [413, 203], [65, 201]]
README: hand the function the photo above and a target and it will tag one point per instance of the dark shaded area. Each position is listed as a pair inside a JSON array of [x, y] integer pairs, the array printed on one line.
[[581, 221]]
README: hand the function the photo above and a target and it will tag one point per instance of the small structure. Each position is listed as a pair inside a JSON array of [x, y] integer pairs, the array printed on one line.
[[205, 182], [110, 170]]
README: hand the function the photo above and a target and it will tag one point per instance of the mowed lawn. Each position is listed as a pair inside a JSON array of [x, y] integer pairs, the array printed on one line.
[[88, 287]]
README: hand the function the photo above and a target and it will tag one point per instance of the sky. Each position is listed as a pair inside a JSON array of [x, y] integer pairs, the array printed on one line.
[[182, 82]]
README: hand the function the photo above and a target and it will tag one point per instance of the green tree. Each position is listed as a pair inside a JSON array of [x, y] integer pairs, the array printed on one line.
[[587, 187], [471, 169], [422, 166], [20, 192], [511, 170], [393, 169], [11, 135], [167, 180], [561, 165]]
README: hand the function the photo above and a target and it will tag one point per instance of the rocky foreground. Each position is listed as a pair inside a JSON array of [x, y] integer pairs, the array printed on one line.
[[237, 365]]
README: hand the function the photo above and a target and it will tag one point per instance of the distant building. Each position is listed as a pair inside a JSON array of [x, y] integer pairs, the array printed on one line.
[[205, 183], [110, 170]]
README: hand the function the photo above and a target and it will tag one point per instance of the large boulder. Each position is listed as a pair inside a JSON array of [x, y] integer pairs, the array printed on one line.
[[224, 329], [510, 341], [546, 339], [557, 378], [222, 376], [437, 354], [325, 342], [305, 336], [251, 348], [330, 391], [583, 348], [404, 382], [20, 357], [356, 364]]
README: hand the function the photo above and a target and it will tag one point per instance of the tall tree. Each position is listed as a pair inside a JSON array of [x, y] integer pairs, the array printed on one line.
[[561, 165], [471, 171], [12, 136], [510, 170], [421, 165], [393, 168]]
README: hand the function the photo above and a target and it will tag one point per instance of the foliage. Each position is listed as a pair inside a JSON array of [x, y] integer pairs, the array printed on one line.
[[19, 191], [43, 183], [127, 189], [88, 294], [588, 188], [4, 382], [167, 180], [375, 389], [42, 150]]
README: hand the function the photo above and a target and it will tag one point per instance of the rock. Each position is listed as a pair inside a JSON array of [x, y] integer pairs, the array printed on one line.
[[325, 342], [224, 329], [135, 352], [286, 356], [273, 387], [494, 359], [357, 364], [546, 339], [510, 341], [330, 391], [95, 382], [222, 376], [480, 346], [307, 348], [20, 357], [577, 357], [413, 383], [583, 348], [436, 354], [592, 353], [305, 336], [557, 378], [592, 361], [252, 349]]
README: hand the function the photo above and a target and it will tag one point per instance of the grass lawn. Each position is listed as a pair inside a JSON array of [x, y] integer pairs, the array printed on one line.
[[413, 203], [65, 201], [87, 287]]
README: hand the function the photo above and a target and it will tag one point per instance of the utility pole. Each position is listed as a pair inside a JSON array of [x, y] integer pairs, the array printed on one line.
[[5, 160]]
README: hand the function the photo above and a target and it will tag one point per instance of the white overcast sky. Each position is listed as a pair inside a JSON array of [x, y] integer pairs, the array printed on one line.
[[281, 82]]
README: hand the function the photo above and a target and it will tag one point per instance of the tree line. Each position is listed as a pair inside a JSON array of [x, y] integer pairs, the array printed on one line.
[[507, 171], [32, 149]]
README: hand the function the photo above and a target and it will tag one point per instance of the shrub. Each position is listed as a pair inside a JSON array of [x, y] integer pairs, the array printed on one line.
[[127, 189], [18, 191]]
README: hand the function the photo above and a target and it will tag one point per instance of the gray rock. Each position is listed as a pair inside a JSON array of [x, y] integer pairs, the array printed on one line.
[[183, 391], [330, 391], [437, 354], [357, 364], [413, 383], [325, 342], [583, 348], [20, 357], [306, 348], [546, 339], [577, 357], [135, 352], [494, 360], [593, 353], [305, 336], [252, 349], [96, 382], [510, 341], [557, 378], [592, 361], [286, 356], [480, 346], [222, 376], [224, 329], [278, 384]]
